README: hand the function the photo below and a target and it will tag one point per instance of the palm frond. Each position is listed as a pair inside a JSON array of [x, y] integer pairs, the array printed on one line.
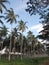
[[4, 6], [17, 15], [11, 9], [8, 20], [2, 17], [10, 16], [26, 27], [0, 10], [6, 1], [1, 22], [7, 17], [15, 20], [8, 11]]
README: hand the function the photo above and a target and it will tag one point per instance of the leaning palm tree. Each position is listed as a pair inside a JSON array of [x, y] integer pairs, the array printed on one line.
[[22, 26], [11, 17], [2, 4]]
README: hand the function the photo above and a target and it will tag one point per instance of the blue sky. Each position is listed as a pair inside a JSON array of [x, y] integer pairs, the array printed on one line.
[[19, 7]]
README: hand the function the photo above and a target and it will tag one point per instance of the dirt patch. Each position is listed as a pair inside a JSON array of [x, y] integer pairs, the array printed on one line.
[[45, 63]]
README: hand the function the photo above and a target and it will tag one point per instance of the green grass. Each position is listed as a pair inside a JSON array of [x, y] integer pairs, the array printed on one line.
[[25, 61]]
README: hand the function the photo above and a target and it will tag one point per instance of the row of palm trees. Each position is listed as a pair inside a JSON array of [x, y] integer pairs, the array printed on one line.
[[26, 45], [11, 17]]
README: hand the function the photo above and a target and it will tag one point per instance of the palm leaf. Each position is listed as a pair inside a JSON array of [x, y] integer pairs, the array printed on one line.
[[11, 9], [17, 15], [10, 16], [2, 17], [6, 1], [26, 27], [1, 22], [8, 20], [8, 11], [1, 10], [15, 20], [7, 16], [4, 6]]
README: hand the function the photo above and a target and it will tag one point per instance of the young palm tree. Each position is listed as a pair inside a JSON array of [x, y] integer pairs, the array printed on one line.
[[3, 5], [11, 17], [22, 26]]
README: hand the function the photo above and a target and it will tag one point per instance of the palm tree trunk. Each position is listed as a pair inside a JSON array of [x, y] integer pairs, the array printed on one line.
[[31, 47], [21, 46], [1, 48], [14, 43], [10, 44], [10, 49]]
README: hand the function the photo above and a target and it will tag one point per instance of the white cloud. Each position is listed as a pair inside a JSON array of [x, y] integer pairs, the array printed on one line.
[[37, 28]]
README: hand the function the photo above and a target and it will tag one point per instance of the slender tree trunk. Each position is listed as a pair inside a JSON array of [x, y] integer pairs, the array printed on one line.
[[10, 49], [14, 47], [10, 44], [21, 46], [1, 48], [31, 47]]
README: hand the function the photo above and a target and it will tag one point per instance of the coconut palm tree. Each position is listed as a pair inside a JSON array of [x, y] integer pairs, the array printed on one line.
[[31, 41], [22, 27], [3, 33], [2, 4], [11, 17], [14, 36]]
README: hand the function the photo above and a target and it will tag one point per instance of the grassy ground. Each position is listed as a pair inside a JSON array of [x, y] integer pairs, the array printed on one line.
[[25, 61]]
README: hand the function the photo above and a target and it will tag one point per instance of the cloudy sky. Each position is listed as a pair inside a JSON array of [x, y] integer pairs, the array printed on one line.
[[19, 7]]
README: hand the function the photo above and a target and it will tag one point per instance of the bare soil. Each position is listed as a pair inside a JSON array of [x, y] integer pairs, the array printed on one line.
[[45, 63]]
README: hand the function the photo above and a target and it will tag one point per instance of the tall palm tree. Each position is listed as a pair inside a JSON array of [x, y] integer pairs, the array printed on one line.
[[31, 41], [3, 5], [3, 33], [11, 17], [15, 35], [22, 26], [30, 34]]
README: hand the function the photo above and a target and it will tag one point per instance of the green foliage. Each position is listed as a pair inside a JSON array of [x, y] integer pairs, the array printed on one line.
[[36, 6], [25, 61], [22, 25], [3, 31], [10, 16], [2, 5]]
